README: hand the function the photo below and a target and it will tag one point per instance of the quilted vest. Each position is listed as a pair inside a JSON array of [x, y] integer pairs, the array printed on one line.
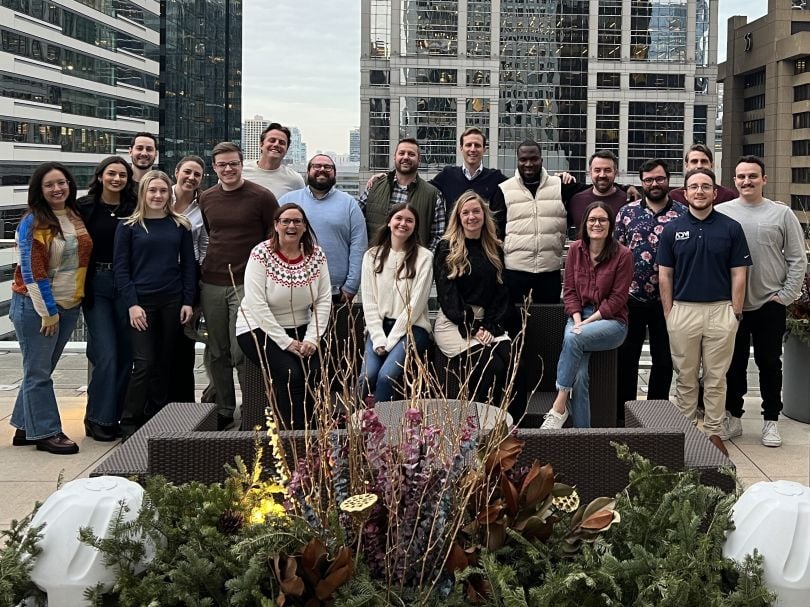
[[421, 196]]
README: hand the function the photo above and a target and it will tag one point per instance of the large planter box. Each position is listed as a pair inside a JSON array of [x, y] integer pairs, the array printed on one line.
[[796, 381]]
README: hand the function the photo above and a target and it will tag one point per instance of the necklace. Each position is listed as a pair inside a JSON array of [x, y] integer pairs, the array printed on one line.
[[111, 208]]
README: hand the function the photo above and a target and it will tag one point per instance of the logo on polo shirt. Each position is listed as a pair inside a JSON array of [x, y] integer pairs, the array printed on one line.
[[682, 235]]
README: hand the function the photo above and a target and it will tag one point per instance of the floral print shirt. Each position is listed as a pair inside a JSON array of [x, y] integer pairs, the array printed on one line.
[[639, 229]]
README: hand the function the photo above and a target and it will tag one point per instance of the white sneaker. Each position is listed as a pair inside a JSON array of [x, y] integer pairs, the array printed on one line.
[[554, 420], [770, 434], [732, 427]]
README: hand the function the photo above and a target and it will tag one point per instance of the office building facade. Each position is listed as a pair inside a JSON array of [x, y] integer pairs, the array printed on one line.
[[251, 135], [766, 109], [354, 145], [637, 77]]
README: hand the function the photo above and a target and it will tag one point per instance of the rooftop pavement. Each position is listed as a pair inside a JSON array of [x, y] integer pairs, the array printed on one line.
[[28, 475]]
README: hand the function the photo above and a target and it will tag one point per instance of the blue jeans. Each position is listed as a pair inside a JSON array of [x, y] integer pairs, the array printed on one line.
[[35, 409], [572, 369], [108, 350], [381, 374]]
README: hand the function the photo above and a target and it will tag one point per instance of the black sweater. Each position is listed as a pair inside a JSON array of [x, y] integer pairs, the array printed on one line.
[[452, 183], [479, 287]]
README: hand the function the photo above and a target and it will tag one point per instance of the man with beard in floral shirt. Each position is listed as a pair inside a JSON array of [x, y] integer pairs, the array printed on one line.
[[638, 226]]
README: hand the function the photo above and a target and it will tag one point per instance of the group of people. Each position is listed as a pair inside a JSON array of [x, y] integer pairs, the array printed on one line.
[[266, 257]]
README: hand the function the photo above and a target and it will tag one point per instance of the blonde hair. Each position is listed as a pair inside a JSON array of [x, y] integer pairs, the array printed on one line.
[[458, 262], [138, 214]]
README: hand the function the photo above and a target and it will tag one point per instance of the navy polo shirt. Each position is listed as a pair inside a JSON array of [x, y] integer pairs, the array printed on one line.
[[702, 253]]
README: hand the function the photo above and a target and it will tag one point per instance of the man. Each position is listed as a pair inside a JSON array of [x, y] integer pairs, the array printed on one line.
[[639, 225], [776, 241], [453, 181], [142, 153], [530, 213], [602, 168], [337, 221], [403, 184], [700, 156], [237, 214], [269, 171], [702, 261]]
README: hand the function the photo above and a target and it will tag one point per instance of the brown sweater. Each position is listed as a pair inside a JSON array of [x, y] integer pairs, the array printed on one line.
[[236, 221]]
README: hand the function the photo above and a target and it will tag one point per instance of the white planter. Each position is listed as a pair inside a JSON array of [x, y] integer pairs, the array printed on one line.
[[773, 519], [66, 567]]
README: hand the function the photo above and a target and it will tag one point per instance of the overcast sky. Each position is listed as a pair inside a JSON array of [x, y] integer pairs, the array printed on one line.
[[301, 64]]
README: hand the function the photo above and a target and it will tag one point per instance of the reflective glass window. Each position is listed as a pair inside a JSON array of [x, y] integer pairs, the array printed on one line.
[[477, 77], [432, 121], [607, 126], [380, 29], [479, 25], [754, 127], [658, 30], [657, 81], [754, 149], [422, 75], [801, 147], [757, 102], [801, 120], [754, 79], [608, 80], [700, 124], [478, 115], [429, 27], [378, 134], [801, 92], [655, 130], [800, 175], [610, 30], [378, 78]]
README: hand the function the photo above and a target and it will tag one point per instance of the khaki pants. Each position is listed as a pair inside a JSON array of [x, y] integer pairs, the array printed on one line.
[[702, 331]]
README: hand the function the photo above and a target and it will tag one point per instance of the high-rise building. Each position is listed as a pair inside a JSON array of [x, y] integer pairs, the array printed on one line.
[[77, 80], [354, 145], [200, 77], [297, 150], [634, 76], [766, 107], [251, 135]]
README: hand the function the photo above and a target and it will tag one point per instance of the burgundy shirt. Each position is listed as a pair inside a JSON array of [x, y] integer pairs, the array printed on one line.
[[722, 194], [605, 286]]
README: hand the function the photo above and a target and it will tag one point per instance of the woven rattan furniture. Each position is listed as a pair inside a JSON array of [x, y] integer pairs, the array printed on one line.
[[699, 453], [181, 443]]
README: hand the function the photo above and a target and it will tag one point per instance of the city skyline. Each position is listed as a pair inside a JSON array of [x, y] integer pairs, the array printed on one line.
[[320, 92]]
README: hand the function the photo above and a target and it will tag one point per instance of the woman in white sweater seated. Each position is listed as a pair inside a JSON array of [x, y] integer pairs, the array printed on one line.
[[397, 275], [286, 312]]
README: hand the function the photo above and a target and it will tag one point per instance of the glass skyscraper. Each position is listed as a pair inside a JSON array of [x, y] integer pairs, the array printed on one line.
[[634, 76]]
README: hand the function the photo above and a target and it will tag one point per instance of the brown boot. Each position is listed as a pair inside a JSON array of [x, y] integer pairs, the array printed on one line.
[[718, 442]]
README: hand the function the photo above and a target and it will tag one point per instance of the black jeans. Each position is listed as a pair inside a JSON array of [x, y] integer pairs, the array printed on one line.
[[546, 287], [765, 328], [294, 378], [152, 354], [643, 319], [181, 386], [486, 368]]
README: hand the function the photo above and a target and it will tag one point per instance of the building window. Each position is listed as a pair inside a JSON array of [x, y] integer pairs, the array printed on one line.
[[608, 80], [801, 147], [702, 20], [421, 75], [754, 127], [607, 126], [429, 27], [479, 25], [754, 79], [754, 149], [432, 121], [801, 92], [701, 85], [800, 202], [699, 124], [379, 122], [801, 66], [657, 81], [380, 30], [378, 78], [18, 173], [478, 114], [799, 26], [757, 102], [610, 30], [477, 77], [801, 120], [800, 175], [655, 130], [658, 30]]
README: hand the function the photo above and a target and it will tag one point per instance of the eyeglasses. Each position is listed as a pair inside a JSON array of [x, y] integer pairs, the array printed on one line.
[[55, 184], [703, 187], [286, 221], [228, 165], [657, 180], [322, 167], [599, 220]]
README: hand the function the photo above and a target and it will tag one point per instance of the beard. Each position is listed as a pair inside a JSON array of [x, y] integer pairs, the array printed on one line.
[[322, 185], [603, 186], [656, 193]]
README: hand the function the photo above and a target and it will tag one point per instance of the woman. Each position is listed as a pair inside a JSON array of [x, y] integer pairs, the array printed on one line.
[[185, 195], [397, 274], [598, 272], [155, 273], [111, 197], [48, 287], [473, 300], [285, 312]]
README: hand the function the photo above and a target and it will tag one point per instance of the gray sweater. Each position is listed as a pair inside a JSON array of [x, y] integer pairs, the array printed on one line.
[[776, 242]]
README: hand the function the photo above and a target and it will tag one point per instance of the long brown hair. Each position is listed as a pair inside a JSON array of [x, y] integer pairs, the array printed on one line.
[[458, 263], [44, 217], [611, 245], [308, 239], [382, 243]]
